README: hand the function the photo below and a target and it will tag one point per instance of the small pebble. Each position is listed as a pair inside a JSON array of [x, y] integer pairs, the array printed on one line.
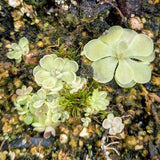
[[40, 44], [84, 133], [138, 147], [63, 138], [135, 23]]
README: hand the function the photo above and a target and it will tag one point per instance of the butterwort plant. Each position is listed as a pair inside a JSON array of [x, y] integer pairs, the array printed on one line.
[[19, 50], [122, 53]]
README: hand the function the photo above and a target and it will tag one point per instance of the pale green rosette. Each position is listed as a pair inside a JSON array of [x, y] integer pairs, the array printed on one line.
[[77, 84], [41, 109], [123, 53], [97, 102], [23, 100], [39, 98], [52, 71], [18, 50]]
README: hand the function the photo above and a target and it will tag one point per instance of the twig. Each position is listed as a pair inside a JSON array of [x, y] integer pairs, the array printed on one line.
[[120, 13]]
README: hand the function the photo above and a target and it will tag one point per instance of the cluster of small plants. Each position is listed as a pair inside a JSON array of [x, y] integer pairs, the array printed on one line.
[[62, 93]]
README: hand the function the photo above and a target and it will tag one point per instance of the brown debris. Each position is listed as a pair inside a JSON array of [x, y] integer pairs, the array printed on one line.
[[129, 7], [154, 97], [135, 23], [153, 151]]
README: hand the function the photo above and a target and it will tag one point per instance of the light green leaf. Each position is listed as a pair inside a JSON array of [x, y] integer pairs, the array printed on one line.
[[15, 47], [54, 56], [96, 49], [70, 66], [38, 127], [68, 76], [141, 45], [128, 35], [18, 54], [49, 83], [58, 86], [36, 69], [148, 59], [129, 85], [113, 36], [25, 50], [11, 54], [55, 117], [41, 93], [23, 42], [121, 47], [124, 73], [47, 62], [28, 119], [59, 64], [18, 60], [103, 94], [41, 75], [14, 54], [104, 69], [142, 72], [38, 103]]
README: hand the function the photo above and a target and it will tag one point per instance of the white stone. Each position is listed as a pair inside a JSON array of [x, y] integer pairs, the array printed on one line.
[[63, 138], [14, 3], [84, 133]]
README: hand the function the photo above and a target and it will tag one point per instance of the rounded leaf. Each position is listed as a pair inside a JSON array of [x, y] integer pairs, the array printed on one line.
[[71, 66], [23, 42], [58, 63], [128, 85], [96, 49], [58, 86], [41, 93], [106, 124], [121, 47], [49, 83], [28, 119], [47, 62], [142, 72], [41, 75], [15, 47], [36, 69], [128, 35], [14, 54], [110, 116], [11, 54], [38, 104], [124, 73], [68, 77], [113, 35], [148, 59], [104, 69], [141, 45], [112, 131]]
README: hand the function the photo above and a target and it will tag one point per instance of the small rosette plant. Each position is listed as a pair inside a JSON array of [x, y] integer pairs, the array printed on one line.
[[77, 84], [114, 124], [18, 50], [96, 102], [40, 109], [23, 99], [52, 71], [123, 52]]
